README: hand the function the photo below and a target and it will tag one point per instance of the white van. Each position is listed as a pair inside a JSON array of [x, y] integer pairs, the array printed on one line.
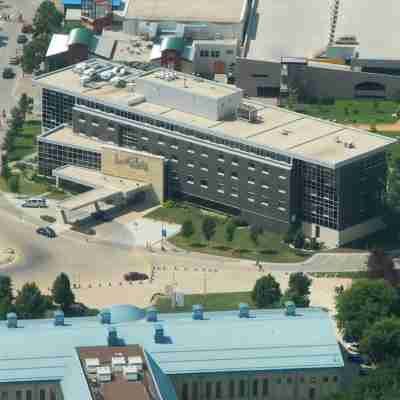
[[35, 203]]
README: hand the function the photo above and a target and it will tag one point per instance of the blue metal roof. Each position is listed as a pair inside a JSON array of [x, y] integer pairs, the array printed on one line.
[[115, 3], [221, 342]]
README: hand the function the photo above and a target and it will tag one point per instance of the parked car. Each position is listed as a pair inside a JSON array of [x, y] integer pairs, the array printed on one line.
[[102, 216], [46, 231], [27, 28], [35, 203], [21, 39], [8, 73], [135, 276]]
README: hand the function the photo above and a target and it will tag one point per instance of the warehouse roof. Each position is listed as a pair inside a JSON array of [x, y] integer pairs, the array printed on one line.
[[289, 133], [265, 341], [224, 11]]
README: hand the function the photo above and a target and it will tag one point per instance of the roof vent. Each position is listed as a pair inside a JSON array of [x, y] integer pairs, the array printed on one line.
[[351, 145], [159, 334], [151, 314], [337, 139], [58, 318], [105, 316], [136, 361], [12, 320], [244, 310], [117, 362], [112, 338], [198, 312], [130, 373], [91, 365], [104, 374], [290, 308]]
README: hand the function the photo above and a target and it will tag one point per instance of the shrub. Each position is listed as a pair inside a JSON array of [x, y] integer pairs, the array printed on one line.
[[208, 227], [230, 229], [13, 183], [240, 222], [169, 204], [187, 228]]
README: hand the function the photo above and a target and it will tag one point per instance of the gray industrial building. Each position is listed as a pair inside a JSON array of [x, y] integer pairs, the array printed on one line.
[[270, 166], [364, 79]]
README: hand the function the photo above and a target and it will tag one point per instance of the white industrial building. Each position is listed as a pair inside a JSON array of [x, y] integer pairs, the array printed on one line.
[[200, 19]]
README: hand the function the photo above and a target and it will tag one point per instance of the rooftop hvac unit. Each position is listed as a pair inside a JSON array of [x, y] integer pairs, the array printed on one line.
[[103, 374], [136, 100], [247, 113], [151, 314], [290, 308], [58, 318], [105, 314], [12, 320], [130, 373], [91, 365], [244, 310], [106, 75], [84, 80], [117, 362], [136, 361], [197, 312]]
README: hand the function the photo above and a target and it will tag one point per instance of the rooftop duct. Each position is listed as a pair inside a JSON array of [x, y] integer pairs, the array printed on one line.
[[244, 310], [12, 320], [159, 334], [105, 316], [151, 314], [198, 312], [290, 308], [58, 318]]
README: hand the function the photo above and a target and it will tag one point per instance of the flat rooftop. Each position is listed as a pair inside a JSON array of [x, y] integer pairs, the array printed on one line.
[[276, 129], [195, 85], [104, 186], [65, 135], [223, 11], [301, 29], [119, 387]]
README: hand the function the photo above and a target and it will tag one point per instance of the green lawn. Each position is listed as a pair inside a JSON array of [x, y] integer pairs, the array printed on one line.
[[25, 143], [269, 248], [210, 302], [355, 111], [26, 187]]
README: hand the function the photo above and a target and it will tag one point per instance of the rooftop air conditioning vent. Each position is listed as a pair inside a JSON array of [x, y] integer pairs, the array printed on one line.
[[244, 310], [151, 315], [285, 132], [136, 361], [130, 373], [337, 139], [104, 374], [290, 308], [12, 320], [91, 365], [58, 318], [198, 312]]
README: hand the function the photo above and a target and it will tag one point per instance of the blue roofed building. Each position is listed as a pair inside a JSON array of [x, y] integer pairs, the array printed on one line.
[[259, 354]]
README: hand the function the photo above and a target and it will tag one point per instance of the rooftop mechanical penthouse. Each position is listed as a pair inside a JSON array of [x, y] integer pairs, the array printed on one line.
[[271, 166]]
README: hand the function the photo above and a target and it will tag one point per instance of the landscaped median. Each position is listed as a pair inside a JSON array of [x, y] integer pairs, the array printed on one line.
[[228, 237]]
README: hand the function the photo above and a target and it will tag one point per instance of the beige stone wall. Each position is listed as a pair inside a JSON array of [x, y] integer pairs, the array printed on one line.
[[135, 165], [49, 390], [333, 238], [281, 385]]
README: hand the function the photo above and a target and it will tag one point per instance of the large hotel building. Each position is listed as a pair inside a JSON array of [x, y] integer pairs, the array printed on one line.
[[269, 165]]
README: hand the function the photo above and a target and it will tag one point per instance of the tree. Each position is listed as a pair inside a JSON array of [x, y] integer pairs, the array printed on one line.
[[364, 303], [230, 229], [300, 283], [300, 300], [208, 227], [187, 228], [62, 293], [47, 19], [381, 342], [6, 295], [266, 292], [13, 183], [255, 231], [30, 302], [17, 119], [25, 105], [299, 239], [380, 265]]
